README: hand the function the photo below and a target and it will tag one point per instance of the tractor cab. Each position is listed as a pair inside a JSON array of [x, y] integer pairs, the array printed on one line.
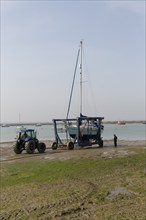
[[26, 134]]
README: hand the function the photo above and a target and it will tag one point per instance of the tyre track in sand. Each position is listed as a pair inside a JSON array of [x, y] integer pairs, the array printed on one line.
[[74, 205]]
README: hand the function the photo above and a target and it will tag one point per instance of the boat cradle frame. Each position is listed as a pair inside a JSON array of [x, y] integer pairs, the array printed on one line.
[[70, 142]]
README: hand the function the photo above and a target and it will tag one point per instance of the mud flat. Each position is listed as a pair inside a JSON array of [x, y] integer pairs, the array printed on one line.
[[7, 153]]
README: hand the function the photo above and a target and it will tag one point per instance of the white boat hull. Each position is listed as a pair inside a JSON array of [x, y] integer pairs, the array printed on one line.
[[86, 132]]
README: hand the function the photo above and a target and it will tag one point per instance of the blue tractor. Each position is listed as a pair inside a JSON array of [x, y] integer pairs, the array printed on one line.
[[26, 140]]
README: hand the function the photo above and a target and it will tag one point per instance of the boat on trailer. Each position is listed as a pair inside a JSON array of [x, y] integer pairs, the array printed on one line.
[[90, 127], [82, 130]]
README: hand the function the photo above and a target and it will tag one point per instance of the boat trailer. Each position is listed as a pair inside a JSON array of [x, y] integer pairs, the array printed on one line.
[[78, 139]]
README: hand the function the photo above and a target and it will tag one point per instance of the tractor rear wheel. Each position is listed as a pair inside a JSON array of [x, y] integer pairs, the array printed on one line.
[[30, 147], [17, 148], [41, 147]]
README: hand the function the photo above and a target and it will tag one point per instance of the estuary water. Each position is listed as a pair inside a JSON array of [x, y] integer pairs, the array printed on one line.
[[129, 131]]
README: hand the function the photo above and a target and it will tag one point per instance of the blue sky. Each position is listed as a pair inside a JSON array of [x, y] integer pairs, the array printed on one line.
[[39, 44]]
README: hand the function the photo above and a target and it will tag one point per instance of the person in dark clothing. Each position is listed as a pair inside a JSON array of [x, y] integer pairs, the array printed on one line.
[[115, 140]]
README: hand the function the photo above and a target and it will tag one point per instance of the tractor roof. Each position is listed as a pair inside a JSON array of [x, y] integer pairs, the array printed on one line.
[[22, 129], [30, 129]]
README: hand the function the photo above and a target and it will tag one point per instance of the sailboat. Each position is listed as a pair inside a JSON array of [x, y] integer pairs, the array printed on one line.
[[85, 128]]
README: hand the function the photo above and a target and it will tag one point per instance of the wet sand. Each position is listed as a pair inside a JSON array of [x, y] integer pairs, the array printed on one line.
[[124, 147]]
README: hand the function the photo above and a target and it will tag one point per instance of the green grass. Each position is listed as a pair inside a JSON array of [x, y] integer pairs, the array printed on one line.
[[52, 171], [37, 183]]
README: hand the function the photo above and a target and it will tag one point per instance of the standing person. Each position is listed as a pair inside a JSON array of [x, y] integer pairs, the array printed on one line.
[[115, 140]]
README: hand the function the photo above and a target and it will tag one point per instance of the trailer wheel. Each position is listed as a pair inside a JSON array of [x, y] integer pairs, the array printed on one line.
[[101, 143], [41, 147], [17, 148], [70, 145], [54, 146], [30, 147]]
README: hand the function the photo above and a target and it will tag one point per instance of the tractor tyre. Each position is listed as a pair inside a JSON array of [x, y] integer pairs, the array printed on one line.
[[30, 147], [41, 147], [70, 145], [17, 148], [54, 146]]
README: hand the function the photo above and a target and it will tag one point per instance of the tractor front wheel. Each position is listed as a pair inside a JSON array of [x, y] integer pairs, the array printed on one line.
[[41, 147], [30, 147], [17, 148]]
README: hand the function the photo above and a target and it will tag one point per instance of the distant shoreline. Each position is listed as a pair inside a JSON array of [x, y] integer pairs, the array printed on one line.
[[51, 123]]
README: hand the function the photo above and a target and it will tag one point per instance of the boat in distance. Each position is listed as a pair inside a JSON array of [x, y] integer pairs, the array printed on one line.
[[121, 122]]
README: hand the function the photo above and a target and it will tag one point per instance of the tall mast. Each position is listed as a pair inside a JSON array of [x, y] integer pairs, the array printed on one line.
[[81, 45], [73, 83]]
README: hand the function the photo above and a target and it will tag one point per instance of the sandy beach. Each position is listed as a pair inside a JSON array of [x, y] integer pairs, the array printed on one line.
[[124, 147]]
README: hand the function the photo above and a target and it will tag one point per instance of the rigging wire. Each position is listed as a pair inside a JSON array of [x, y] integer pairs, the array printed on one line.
[[92, 94]]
